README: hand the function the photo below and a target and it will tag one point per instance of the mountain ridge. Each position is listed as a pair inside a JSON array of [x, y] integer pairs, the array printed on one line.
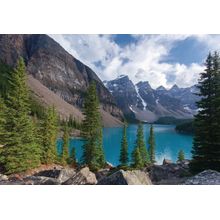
[[56, 69], [147, 104]]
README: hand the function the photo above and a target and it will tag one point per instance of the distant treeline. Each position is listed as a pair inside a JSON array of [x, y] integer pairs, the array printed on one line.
[[172, 121], [187, 128]]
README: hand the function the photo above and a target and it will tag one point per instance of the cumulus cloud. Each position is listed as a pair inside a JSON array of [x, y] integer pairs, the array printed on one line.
[[141, 60]]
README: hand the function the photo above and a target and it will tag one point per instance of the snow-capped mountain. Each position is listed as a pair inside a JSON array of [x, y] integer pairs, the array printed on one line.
[[144, 103]]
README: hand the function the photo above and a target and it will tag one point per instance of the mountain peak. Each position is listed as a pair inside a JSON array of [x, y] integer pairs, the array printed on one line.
[[143, 85], [161, 88], [174, 87]]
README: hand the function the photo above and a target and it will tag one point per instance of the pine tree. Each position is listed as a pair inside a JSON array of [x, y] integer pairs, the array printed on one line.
[[65, 148], [2, 121], [137, 160], [72, 158], [140, 148], [141, 145], [2, 128], [21, 152], [93, 154], [124, 149], [206, 146], [49, 137], [151, 142], [181, 156]]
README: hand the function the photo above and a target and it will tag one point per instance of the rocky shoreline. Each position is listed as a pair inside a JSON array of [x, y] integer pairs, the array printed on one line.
[[166, 174]]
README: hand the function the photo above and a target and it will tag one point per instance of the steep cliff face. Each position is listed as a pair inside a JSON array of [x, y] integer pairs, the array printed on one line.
[[56, 69]]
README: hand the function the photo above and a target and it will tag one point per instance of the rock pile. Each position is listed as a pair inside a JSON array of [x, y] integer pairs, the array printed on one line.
[[121, 177], [207, 177]]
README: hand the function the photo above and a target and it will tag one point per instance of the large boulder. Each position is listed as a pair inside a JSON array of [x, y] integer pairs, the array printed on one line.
[[121, 177], [40, 180], [52, 173], [83, 177], [3, 178], [102, 174], [207, 177], [166, 161], [61, 175], [169, 173], [66, 174]]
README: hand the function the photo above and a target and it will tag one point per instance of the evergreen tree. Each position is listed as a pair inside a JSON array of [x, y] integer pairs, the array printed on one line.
[[93, 154], [2, 128], [140, 148], [124, 149], [137, 160], [151, 142], [181, 156], [2, 121], [206, 147], [66, 137], [141, 145], [21, 152], [72, 157], [49, 137]]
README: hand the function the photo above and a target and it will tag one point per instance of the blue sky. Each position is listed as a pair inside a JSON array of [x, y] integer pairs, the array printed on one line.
[[160, 59]]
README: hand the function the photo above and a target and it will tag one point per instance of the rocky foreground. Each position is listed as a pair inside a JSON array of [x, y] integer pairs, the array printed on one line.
[[166, 174]]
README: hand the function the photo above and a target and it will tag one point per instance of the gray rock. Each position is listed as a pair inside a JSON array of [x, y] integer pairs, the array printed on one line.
[[83, 177], [166, 161], [40, 180], [207, 177], [52, 173], [102, 174], [121, 177], [169, 173], [66, 174], [3, 177]]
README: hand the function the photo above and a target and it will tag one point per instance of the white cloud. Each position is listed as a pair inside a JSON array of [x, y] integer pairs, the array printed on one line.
[[141, 61]]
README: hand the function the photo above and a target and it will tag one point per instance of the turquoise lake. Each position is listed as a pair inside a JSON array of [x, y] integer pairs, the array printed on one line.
[[168, 142]]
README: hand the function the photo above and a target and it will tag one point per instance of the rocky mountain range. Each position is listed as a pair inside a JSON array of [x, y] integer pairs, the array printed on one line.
[[56, 77], [140, 101]]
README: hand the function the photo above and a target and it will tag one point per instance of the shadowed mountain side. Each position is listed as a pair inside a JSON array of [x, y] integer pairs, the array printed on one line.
[[48, 98]]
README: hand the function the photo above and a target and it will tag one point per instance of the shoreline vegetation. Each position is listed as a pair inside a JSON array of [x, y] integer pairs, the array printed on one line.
[[29, 132]]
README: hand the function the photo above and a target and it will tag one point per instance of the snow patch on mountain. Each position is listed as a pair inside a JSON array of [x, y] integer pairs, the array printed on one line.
[[142, 100], [130, 107]]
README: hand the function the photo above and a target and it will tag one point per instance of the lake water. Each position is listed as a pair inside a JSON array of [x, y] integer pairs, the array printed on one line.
[[168, 142]]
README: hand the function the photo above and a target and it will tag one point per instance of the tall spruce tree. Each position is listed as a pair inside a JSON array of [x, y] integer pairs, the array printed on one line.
[[93, 154], [124, 149], [2, 121], [65, 147], [21, 152], [2, 128], [140, 144], [137, 161], [206, 146], [151, 142], [49, 129]]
